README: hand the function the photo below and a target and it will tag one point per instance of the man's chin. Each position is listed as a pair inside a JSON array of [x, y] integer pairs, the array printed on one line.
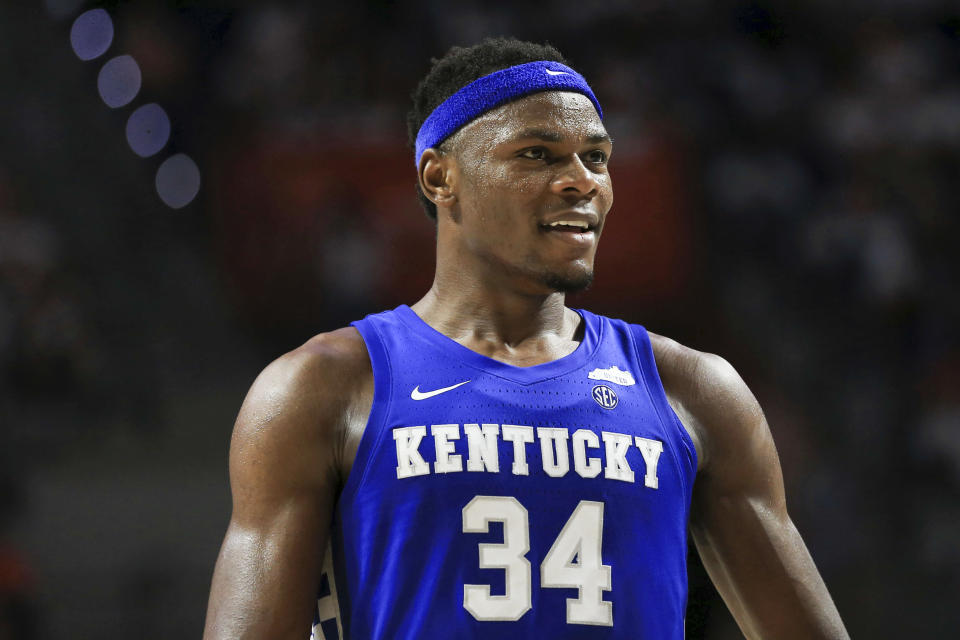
[[569, 282]]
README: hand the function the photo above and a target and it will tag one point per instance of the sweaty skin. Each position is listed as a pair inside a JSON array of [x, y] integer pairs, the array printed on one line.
[[499, 290]]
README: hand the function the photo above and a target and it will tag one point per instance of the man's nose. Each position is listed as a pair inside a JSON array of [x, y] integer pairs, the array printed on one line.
[[575, 178]]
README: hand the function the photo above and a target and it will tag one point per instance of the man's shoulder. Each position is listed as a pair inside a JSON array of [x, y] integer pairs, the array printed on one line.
[[687, 366], [310, 387], [330, 367], [678, 364], [328, 356], [707, 393], [288, 439]]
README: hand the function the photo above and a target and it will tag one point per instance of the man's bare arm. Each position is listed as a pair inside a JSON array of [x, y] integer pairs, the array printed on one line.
[[285, 458], [739, 520]]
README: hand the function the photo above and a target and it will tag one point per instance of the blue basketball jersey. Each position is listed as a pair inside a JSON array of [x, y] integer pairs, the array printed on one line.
[[494, 501]]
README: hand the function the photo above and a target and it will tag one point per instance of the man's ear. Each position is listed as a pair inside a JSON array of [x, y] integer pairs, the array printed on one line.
[[437, 177]]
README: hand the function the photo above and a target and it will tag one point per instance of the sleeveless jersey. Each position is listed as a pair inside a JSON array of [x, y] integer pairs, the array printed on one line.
[[494, 501]]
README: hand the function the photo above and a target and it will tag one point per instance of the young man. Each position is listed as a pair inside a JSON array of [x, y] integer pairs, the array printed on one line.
[[488, 462]]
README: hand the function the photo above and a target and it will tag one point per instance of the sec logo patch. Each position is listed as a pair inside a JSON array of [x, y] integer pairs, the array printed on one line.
[[605, 396]]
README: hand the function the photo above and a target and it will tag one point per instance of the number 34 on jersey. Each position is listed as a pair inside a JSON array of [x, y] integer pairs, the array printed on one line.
[[574, 561]]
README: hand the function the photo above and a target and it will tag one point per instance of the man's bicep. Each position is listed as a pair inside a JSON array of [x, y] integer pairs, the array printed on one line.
[[283, 486], [762, 568], [741, 527], [264, 584]]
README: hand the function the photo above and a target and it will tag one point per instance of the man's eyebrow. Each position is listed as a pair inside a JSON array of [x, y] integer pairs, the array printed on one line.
[[539, 134], [599, 138], [553, 136]]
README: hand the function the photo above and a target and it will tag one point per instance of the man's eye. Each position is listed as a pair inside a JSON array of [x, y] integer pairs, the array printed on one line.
[[536, 153], [597, 156]]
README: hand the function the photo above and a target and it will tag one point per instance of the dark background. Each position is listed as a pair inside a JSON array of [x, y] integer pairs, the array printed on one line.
[[786, 196]]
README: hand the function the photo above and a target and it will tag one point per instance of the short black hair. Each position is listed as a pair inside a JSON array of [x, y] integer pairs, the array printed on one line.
[[459, 67]]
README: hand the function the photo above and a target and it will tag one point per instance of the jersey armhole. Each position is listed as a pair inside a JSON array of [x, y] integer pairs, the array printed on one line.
[[379, 409], [651, 380]]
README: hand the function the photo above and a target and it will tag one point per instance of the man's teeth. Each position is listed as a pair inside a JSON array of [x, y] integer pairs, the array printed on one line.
[[570, 223]]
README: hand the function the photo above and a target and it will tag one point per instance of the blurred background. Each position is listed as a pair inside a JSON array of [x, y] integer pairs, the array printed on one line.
[[190, 189]]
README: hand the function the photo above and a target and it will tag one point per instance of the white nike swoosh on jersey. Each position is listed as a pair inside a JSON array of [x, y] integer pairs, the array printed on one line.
[[416, 394], [556, 73]]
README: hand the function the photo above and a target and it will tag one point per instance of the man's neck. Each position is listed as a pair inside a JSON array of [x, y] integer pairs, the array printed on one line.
[[518, 329]]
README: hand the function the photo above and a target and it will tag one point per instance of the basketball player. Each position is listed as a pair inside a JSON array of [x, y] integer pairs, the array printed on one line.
[[489, 463]]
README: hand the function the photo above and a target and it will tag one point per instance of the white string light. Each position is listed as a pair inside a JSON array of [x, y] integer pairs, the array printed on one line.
[[178, 181], [91, 34], [119, 81], [148, 130]]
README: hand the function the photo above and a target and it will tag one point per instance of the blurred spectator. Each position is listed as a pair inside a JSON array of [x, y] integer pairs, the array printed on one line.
[[936, 458], [19, 616], [44, 348]]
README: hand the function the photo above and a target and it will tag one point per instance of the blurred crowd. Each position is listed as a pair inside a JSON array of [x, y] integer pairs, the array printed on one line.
[[785, 196]]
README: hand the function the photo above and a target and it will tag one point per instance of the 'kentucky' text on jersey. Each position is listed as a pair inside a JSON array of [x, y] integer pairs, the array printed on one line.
[[488, 500]]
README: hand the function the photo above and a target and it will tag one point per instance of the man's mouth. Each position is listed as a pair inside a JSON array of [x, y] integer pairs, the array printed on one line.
[[578, 232], [576, 226]]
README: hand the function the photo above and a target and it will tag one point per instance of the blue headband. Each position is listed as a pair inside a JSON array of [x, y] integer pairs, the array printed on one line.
[[491, 91]]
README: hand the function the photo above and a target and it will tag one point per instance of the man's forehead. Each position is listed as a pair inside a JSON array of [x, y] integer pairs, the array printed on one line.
[[552, 116]]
